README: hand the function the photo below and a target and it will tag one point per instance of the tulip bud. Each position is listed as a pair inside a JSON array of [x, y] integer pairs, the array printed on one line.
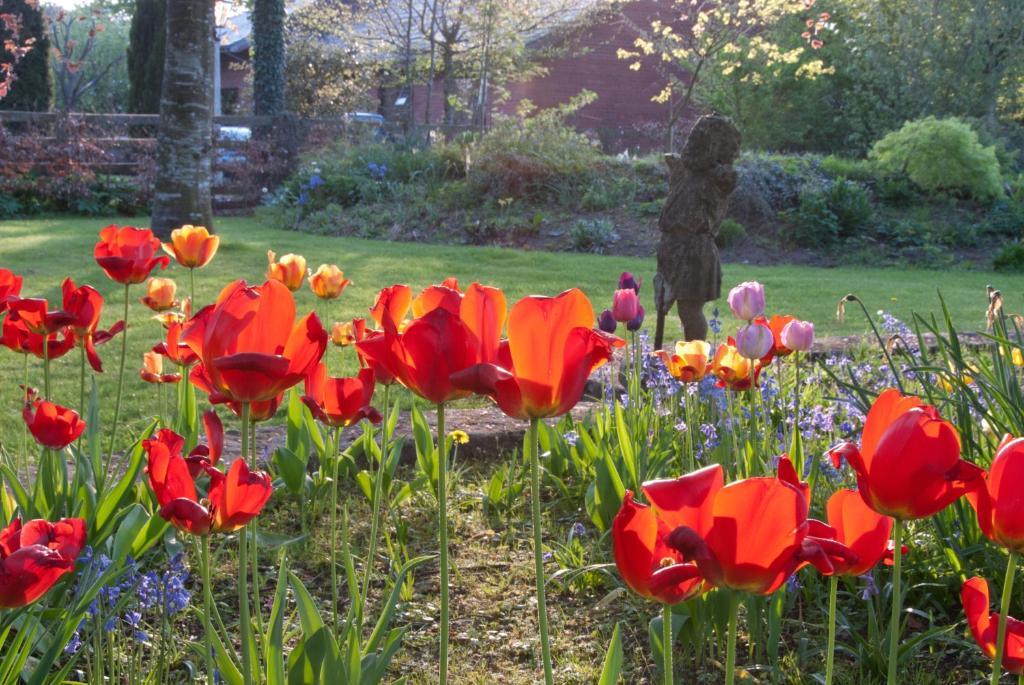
[[289, 270], [192, 246], [754, 340], [606, 322], [328, 282], [747, 300], [160, 294], [345, 333], [638, 321], [625, 305], [627, 280], [798, 335]]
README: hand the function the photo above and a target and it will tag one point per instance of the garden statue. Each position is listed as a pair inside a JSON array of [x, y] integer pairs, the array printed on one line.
[[701, 180]]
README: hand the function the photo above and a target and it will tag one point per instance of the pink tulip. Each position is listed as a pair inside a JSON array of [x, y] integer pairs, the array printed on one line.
[[798, 335], [747, 300], [625, 305], [754, 340]]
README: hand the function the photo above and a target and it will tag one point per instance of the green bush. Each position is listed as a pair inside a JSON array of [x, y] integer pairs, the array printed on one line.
[[1010, 258], [537, 157], [941, 156], [730, 233], [863, 170], [840, 211], [592, 235]]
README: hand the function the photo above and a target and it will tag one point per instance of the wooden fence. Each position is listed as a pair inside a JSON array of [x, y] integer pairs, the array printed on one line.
[[124, 145]]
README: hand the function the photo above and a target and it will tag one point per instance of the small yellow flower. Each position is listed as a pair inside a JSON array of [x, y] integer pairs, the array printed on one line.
[[459, 437]]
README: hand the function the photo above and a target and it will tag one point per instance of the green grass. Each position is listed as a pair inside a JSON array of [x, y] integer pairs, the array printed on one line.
[[47, 250]]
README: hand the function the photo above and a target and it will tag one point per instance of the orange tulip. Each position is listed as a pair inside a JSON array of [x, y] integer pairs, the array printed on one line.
[[289, 270], [328, 282], [192, 246], [339, 402], [160, 294], [345, 333], [85, 304], [152, 370], [689, 363], [861, 529], [733, 370], [552, 349], [447, 295], [175, 350], [127, 254], [998, 503], [432, 348], [251, 348], [752, 535], [393, 302]]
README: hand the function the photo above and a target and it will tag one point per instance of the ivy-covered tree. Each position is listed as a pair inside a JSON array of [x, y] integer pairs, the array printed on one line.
[[269, 59], [146, 41], [32, 88]]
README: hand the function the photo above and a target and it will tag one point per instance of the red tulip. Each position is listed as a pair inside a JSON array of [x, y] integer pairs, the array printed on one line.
[[908, 465], [646, 562], [999, 503], [18, 338], [984, 625], [860, 528], [232, 500], [250, 347], [36, 555], [128, 254], [752, 535], [552, 349], [175, 350], [35, 314], [85, 305], [440, 343], [201, 456], [340, 402], [52, 425], [10, 287]]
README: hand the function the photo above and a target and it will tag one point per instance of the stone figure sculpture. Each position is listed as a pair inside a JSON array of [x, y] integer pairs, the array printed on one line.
[[701, 179]]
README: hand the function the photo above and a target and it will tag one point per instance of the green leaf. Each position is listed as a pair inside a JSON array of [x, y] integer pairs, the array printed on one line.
[[612, 660], [275, 640], [291, 468]]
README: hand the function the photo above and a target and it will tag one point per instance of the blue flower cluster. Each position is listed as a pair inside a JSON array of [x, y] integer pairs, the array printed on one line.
[[377, 171], [128, 597], [314, 182]]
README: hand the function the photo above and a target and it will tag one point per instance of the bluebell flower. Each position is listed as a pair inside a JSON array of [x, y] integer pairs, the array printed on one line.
[[315, 181], [870, 586], [571, 438], [303, 198], [578, 530]]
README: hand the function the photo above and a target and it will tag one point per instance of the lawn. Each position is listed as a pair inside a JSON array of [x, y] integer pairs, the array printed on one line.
[[47, 250]]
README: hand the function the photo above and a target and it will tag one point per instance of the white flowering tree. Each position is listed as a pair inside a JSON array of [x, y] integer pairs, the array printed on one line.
[[706, 38]]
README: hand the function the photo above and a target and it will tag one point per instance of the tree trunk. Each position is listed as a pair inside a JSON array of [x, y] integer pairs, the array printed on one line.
[[268, 76], [183, 186], [448, 77]]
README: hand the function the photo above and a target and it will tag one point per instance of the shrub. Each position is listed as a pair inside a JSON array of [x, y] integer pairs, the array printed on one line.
[[840, 211], [941, 156], [536, 157], [862, 170], [1010, 258], [730, 233], [592, 235]]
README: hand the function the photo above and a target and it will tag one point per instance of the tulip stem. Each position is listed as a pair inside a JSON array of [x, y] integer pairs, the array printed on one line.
[[666, 643], [192, 287], [244, 619], [1004, 611], [378, 490], [46, 366], [897, 600], [442, 533], [81, 386], [833, 588], [533, 445], [208, 609], [120, 389], [730, 654], [334, 530], [24, 426]]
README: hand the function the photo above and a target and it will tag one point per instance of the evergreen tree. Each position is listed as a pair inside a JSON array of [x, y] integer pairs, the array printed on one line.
[[146, 42], [268, 61], [33, 85]]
